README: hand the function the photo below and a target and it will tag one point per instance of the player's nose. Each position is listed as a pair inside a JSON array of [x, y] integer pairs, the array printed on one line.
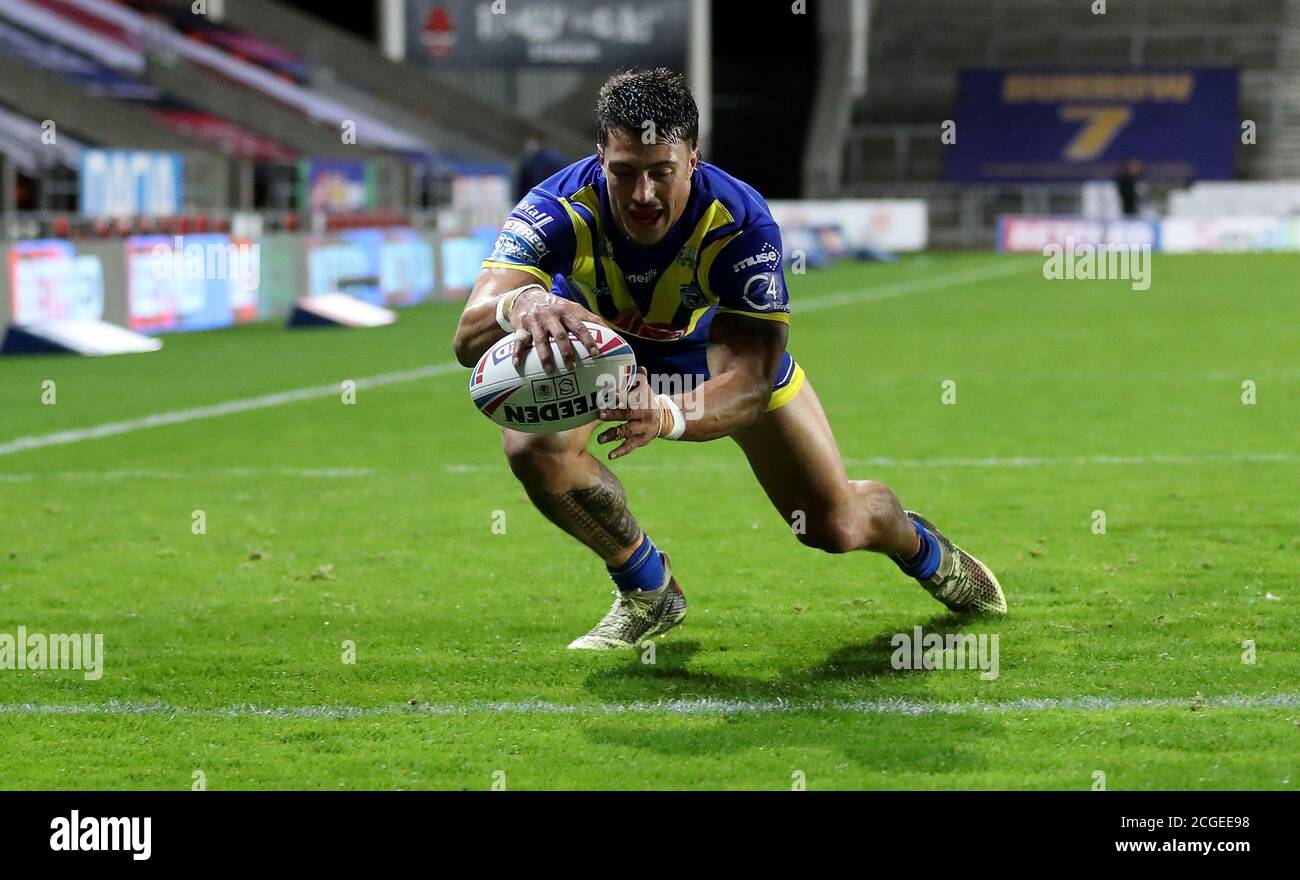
[[644, 194]]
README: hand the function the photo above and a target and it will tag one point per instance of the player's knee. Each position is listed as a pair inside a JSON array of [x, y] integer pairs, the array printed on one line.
[[879, 510], [533, 460], [830, 534]]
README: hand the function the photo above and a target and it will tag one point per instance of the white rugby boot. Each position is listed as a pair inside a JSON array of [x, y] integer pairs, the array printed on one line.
[[962, 582], [637, 615]]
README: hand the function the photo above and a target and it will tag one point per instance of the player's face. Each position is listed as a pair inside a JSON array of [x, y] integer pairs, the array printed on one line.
[[649, 184]]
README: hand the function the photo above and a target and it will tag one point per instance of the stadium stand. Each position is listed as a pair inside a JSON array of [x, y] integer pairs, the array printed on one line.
[[458, 115], [893, 151]]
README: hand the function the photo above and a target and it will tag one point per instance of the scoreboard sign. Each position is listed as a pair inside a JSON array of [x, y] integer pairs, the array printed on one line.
[[1038, 126], [476, 34]]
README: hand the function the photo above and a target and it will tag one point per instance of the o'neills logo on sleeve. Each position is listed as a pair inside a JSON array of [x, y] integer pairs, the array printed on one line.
[[78, 833]]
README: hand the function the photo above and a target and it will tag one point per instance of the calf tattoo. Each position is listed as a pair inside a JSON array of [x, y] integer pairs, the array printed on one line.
[[597, 516]]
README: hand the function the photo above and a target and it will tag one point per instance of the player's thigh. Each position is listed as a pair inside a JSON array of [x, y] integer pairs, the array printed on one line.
[[793, 454]]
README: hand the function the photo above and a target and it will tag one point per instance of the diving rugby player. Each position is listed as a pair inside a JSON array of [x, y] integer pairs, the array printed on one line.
[[684, 261]]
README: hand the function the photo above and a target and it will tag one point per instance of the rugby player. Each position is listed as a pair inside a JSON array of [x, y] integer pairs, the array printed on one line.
[[684, 261]]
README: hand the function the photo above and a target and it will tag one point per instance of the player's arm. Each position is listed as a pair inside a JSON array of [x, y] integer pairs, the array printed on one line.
[[513, 290], [744, 354], [520, 300]]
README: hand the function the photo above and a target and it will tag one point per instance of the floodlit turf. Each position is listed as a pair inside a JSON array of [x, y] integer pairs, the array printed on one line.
[[374, 523]]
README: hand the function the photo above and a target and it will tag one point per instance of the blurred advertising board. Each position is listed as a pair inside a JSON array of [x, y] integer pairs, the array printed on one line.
[[1032, 233], [336, 184], [879, 224], [191, 282], [481, 196], [129, 183], [281, 282], [462, 257], [1229, 234], [473, 34], [385, 267], [1069, 124], [49, 282]]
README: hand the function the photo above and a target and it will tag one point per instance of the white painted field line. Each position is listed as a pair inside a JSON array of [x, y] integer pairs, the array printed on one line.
[[215, 473], [61, 438], [1016, 461], [177, 417], [673, 707]]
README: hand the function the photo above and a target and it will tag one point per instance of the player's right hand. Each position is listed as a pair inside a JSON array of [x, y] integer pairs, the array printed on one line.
[[539, 316]]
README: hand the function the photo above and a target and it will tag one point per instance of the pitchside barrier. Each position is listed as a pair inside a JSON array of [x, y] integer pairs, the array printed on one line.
[[165, 284], [878, 225], [154, 284], [1189, 234]]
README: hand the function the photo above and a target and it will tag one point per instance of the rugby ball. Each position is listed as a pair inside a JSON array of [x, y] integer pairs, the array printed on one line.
[[538, 402]]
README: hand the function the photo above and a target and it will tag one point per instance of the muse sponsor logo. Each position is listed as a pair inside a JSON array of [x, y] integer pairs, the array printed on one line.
[[37, 651], [768, 257], [921, 650], [1083, 261], [77, 833]]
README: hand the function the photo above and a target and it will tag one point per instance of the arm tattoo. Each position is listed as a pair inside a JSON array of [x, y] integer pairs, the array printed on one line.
[[596, 516]]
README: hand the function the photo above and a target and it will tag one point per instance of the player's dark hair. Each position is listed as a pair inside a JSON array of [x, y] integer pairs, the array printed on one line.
[[630, 99]]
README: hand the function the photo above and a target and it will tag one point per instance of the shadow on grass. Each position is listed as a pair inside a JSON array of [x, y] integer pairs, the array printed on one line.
[[871, 743], [669, 677]]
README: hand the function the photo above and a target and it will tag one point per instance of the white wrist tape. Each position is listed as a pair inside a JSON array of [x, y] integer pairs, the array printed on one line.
[[506, 303], [503, 315], [678, 427]]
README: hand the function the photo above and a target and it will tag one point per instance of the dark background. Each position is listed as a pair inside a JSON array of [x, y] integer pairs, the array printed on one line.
[[764, 74]]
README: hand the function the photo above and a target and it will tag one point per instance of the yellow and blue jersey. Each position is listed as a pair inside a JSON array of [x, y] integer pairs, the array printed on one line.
[[722, 255]]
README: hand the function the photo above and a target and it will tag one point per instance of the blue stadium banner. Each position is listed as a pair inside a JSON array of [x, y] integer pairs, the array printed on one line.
[[476, 34], [336, 184], [1047, 125], [126, 183]]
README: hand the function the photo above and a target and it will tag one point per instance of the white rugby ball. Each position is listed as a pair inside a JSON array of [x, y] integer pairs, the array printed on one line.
[[538, 402]]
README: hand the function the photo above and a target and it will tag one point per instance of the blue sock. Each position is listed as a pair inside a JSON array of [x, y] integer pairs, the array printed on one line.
[[925, 563], [643, 571]]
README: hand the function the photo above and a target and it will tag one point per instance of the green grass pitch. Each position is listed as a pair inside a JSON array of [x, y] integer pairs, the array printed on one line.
[[373, 523]]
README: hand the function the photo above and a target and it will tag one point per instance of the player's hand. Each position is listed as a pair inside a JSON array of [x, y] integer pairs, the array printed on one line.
[[642, 419], [540, 316]]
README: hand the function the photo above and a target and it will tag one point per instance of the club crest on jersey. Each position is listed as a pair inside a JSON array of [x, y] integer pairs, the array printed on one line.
[[692, 296], [524, 233]]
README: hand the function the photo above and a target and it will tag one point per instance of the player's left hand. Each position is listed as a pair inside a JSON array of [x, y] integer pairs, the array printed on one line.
[[641, 418]]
